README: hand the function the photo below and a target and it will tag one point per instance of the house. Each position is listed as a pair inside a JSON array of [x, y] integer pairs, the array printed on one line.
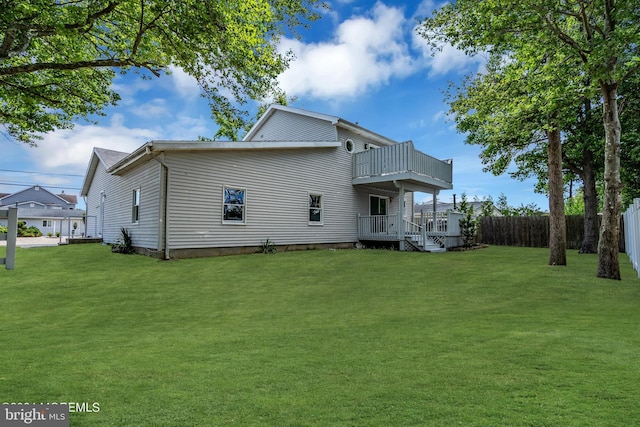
[[299, 179], [454, 207], [49, 212]]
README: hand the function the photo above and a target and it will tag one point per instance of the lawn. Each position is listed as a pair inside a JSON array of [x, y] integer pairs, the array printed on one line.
[[493, 337]]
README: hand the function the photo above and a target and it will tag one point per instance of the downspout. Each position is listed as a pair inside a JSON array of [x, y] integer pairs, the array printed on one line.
[[164, 203]]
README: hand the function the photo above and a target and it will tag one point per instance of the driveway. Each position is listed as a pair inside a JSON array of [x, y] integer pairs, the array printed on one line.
[[34, 242]]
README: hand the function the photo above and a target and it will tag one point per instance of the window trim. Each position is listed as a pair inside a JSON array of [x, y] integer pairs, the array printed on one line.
[[309, 207], [349, 142], [47, 223], [379, 197], [244, 205], [135, 206]]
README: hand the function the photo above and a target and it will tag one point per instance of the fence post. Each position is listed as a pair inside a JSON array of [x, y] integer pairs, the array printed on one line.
[[12, 233]]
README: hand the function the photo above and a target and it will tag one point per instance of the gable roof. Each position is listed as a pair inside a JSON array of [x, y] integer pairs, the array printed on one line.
[[117, 162], [103, 156], [64, 199], [334, 120], [70, 198]]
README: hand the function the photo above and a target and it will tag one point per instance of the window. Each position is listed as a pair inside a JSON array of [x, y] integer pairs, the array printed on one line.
[[234, 204], [46, 223], [135, 210], [349, 146], [315, 209]]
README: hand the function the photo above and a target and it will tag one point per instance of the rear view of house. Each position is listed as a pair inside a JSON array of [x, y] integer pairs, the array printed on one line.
[[300, 179]]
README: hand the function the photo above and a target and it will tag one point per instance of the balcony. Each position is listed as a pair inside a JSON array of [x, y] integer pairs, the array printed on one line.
[[402, 163]]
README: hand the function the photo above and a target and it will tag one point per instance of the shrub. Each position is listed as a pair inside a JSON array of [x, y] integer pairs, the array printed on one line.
[[123, 245], [268, 247], [24, 231], [468, 224], [3, 229]]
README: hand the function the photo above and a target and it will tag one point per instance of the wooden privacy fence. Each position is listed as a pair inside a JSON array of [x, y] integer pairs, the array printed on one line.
[[532, 231], [632, 233]]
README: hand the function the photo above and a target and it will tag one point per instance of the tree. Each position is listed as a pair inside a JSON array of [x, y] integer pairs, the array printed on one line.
[[58, 59], [513, 108], [598, 37], [468, 224]]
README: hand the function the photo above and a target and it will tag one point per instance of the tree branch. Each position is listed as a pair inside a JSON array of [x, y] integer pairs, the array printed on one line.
[[96, 63]]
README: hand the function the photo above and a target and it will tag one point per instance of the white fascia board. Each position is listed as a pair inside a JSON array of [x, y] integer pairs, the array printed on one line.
[[238, 145], [154, 148]]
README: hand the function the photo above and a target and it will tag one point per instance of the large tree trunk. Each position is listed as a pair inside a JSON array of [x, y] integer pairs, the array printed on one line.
[[557, 221], [590, 196], [608, 266]]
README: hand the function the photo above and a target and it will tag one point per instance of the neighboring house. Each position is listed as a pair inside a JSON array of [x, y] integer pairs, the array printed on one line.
[[300, 179], [453, 207], [49, 212]]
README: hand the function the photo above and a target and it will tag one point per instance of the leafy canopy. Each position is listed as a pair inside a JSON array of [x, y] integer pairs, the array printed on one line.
[[58, 58]]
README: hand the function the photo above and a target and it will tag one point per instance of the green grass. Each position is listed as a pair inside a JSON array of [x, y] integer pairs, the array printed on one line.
[[322, 338]]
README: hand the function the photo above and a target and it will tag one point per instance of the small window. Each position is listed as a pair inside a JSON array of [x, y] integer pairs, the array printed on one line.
[[46, 223], [315, 209], [135, 210], [234, 205], [349, 146]]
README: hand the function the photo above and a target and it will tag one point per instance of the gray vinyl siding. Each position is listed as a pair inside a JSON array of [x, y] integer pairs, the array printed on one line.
[[99, 182], [277, 184], [362, 199], [119, 201], [287, 126]]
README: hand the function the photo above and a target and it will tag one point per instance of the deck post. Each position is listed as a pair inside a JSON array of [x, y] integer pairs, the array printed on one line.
[[400, 216], [435, 208], [423, 228]]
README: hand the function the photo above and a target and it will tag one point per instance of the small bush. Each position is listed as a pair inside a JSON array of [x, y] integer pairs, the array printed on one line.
[[3, 229], [123, 245], [49, 234], [268, 247], [24, 231]]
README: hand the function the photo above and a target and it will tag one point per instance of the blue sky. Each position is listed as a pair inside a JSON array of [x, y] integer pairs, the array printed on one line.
[[362, 62]]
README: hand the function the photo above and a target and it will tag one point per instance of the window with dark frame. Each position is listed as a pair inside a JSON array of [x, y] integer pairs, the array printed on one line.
[[234, 205]]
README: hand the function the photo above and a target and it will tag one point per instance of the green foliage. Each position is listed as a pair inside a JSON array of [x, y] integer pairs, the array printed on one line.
[[468, 224], [523, 210], [268, 247], [487, 207], [24, 231], [574, 205], [124, 244], [3, 229], [58, 59]]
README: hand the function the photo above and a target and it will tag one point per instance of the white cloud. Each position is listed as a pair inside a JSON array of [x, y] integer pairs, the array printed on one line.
[[69, 150], [446, 58], [184, 84], [157, 107], [366, 52]]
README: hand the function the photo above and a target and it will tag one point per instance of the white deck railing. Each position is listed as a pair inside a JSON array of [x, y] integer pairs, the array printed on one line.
[[378, 227], [400, 158], [632, 234], [385, 227]]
